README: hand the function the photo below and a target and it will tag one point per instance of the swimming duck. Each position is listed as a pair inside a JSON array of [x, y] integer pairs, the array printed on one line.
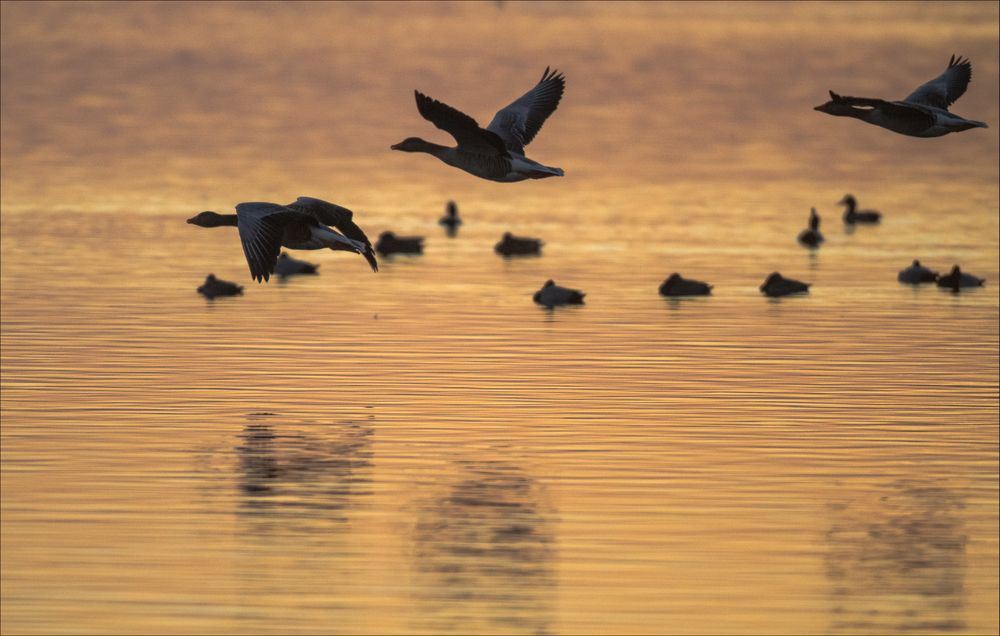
[[853, 215], [450, 220], [777, 285], [677, 285], [916, 274], [924, 112], [551, 295], [510, 245], [213, 287], [497, 151], [288, 266], [267, 227], [958, 279], [811, 236], [389, 243]]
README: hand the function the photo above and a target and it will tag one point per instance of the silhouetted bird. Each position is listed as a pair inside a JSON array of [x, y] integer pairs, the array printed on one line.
[[916, 274], [777, 285], [958, 279], [551, 295], [511, 245], [496, 152], [677, 285], [450, 220], [214, 287], [266, 227], [289, 266], [853, 215], [812, 236], [924, 113], [388, 243]]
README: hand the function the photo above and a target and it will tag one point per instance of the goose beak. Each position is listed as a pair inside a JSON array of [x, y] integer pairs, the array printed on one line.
[[191, 220]]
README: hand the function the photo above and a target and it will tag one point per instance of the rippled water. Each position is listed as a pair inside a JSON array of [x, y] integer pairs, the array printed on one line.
[[424, 449]]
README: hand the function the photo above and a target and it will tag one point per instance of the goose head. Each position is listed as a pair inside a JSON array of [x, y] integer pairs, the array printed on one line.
[[212, 219], [848, 200], [837, 106], [412, 144]]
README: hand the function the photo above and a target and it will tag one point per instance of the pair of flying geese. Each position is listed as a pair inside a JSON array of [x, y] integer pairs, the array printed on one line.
[[496, 153]]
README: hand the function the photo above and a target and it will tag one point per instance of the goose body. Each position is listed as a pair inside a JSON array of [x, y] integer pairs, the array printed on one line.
[[916, 274], [451, 220], [924, 113], [811, 236], [777, 285], [677, 285], [267, 227], [388, 243], [956, 279], [853, 215], [289, 266], [214, 287], [511, 245], [552, 295], [496, 152]]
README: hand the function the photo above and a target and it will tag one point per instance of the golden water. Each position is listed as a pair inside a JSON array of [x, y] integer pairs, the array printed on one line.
[[423, 449]]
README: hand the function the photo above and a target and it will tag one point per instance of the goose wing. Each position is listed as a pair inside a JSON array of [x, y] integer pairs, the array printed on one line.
[[339, 217], [945, 89], [479, 149], [262, 226], [913, 114], [518, 123]]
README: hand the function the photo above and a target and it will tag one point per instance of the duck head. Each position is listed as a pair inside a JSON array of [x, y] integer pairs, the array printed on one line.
[[848, 200], [771, 280], [548, 283], [212, 219], [813, 219], [412, 144]]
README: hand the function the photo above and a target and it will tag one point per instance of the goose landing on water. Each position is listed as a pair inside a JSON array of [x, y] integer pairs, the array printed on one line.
[[497, 151], [302, 225], [924, 113]]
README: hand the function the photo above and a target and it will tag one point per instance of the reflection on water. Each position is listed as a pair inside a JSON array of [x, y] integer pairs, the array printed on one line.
[[484, 553], [897, 562], [291, 479]]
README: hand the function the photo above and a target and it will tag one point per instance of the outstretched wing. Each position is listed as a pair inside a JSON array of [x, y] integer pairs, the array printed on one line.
[[262, 226], [946, 88], [518, 123], [339, 217], [470, 137]]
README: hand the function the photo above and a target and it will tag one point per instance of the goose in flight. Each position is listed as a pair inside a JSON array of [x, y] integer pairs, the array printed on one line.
[[302, 225], [924, 113], [497, 151]]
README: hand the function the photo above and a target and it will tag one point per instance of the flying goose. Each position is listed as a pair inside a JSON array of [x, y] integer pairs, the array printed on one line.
[[213, 287], [510, 245], [777, 285], [266, 227], [924, 113], [811, 236], [496, 152], [916, 274], [677, 285], [289, 266], [957, 279], [388, 243], [551, 295], [450, 220], [853, 215]]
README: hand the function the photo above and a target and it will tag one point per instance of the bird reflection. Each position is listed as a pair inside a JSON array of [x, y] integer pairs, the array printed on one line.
[[905, 551], [296, 479], [484, 553]]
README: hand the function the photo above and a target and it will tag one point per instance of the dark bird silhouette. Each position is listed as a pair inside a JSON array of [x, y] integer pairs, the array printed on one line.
[[388, 243], [552, 295], [958, 279], [924, 112], [677, 285], [497, 151], [511, 245], [289, 266], [267, 227], [811, 236], [916, 274], [777, 285], [451, 220], [853, 215], [214, 287]]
